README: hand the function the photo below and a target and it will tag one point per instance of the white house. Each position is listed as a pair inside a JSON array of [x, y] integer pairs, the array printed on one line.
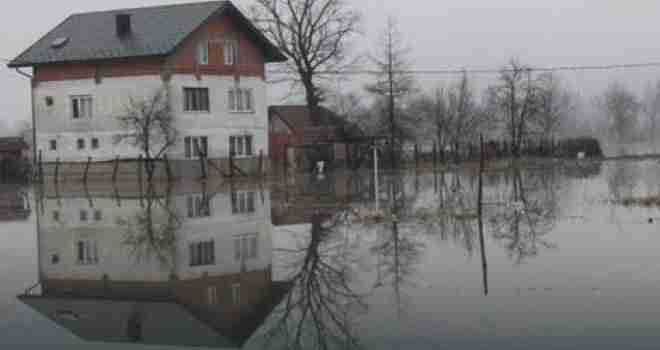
[[208, 56]]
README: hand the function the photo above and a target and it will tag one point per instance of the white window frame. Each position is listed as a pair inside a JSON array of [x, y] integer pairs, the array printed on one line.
[[87, 252], [243, 202], [80, 146], [190, 149], [212, 295], [246, 247], [205, 256], [236, 293], [240, 100], [187, 106], [238, 146], [229, 52], [198, 206], [203, 53], [83, 105]]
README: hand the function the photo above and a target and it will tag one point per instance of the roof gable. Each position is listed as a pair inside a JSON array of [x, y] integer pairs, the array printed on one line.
[[156, 31]]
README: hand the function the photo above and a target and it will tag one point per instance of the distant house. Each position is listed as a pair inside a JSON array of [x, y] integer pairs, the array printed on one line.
[[13, 148], [208, 56], [14, 204], [294, 127]]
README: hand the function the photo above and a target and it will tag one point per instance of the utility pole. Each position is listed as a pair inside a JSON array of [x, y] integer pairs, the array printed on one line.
[[390, 76]]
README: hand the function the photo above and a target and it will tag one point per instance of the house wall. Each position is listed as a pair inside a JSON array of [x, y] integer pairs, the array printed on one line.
[[113, 83], [59, 234]]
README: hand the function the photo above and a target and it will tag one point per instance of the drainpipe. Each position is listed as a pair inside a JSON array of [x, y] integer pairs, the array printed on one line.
[[34, 121]]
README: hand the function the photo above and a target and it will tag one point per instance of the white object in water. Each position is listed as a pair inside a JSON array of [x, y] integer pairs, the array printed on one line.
[[581, 155], [320, 167]]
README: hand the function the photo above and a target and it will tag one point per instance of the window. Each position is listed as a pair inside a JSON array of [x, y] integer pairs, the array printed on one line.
[[81, 144], [202, 253], [83, 215], [53, 145], [87, 253], [98, 215], [198, 207], [240, 100], [81, 107], [203, 53], [243, 202], [196, 146], [230, 52], [240, 145], [212, 295], [245, 247], [56, 215], [95, 143], [49, 101], [236, 294], [196, 99]]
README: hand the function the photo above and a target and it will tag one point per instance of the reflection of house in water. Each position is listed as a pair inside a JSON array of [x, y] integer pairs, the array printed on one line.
[[14, 204], [189, 269], [296, 201]]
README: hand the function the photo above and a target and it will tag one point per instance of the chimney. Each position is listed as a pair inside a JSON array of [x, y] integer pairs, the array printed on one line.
[[123, 25]]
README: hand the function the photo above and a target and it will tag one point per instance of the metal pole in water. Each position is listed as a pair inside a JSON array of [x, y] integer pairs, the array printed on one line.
[[376, 179]]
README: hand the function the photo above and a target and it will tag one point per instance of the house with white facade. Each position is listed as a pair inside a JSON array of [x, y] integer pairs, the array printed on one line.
[[208, 57]]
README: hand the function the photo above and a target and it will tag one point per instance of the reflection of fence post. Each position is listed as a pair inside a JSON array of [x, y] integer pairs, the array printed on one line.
[[41, 168], [57, 169], [139, 166], [416, 155], [115, 170], [261, 162], [89, 162]]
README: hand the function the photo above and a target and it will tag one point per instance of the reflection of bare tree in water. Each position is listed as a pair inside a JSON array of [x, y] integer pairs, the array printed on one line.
[[398, 252], [528, 217], [316, 314], [151, 232], [623, 179]]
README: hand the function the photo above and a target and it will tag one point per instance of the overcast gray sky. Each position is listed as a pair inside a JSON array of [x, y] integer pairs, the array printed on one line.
[[442, 34]]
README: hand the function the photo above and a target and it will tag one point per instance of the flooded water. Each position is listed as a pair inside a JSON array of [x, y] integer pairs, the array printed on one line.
[[559, 257]]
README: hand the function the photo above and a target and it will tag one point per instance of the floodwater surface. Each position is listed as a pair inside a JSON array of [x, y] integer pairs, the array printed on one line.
[[560, 256]]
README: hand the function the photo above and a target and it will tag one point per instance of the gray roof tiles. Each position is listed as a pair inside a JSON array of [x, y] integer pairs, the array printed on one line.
[[156, 31]]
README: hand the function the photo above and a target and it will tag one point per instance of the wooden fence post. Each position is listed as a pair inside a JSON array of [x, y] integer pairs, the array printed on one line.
[[57, 170], [416, 155], [168, 169], [89, 162], [115, 170], [139, 166], [231, 164]]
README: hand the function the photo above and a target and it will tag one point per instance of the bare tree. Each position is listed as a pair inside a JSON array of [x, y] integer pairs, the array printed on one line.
[[393, 82], [652, 110], [149, 125], [313, 34], [433, 113], [517, 99], [464, 116], [621, 107], [555, 108]]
